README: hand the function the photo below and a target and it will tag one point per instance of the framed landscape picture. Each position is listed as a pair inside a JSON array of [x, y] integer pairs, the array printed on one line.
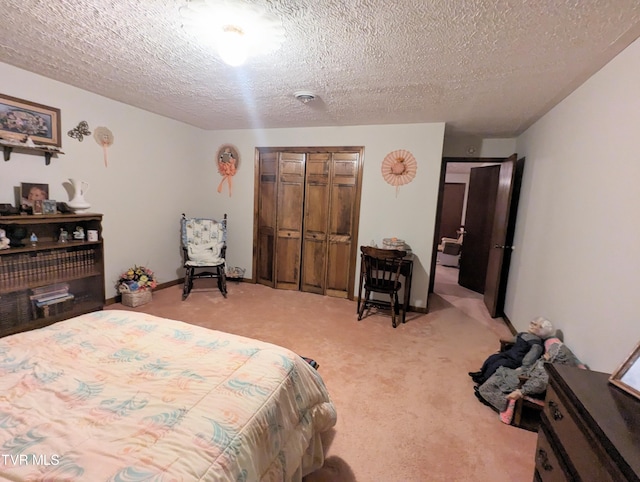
[[627, 376], [21, 118]]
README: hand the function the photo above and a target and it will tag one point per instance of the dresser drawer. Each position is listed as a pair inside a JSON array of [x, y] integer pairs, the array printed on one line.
[[577, 441], [548, 466]]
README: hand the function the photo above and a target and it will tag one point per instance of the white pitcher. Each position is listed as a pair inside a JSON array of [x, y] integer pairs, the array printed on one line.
[[78, 204]]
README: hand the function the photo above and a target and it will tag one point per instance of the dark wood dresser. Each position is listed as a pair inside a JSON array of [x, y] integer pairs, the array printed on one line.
[[589, 430]]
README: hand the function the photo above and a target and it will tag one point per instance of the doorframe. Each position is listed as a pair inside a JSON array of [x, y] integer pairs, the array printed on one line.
[[436, 231]]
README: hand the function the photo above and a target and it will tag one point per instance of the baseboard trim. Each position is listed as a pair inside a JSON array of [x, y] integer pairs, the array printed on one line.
[[168, 284], [509, 324], [161, 286], [418, 309]]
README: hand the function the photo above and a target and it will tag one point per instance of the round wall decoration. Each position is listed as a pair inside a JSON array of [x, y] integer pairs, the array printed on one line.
[[399, 167], [228, 161], [104, 138]]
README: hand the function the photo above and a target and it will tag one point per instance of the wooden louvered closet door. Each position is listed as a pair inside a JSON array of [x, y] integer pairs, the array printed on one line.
[[316, 215], [265, 224], [289, 220], [308, 243]]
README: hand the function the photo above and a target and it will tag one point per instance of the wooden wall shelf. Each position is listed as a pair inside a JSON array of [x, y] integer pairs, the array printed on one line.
[[48, 152]]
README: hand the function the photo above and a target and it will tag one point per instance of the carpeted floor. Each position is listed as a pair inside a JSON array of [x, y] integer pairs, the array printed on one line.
[[469, 302], [406, 410]]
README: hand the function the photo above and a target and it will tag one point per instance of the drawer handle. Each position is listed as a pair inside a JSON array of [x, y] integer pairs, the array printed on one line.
[[543, 459], [555, 410]]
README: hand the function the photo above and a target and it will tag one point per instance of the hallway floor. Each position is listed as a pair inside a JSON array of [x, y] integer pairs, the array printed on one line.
[[471, 303]]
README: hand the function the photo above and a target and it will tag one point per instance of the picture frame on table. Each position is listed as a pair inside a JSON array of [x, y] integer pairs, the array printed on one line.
[[21, 118], [37, 206], [49, 206], [31, 191], [627, 375]]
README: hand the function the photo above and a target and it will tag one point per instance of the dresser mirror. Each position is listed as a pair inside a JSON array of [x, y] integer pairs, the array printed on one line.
[[627, 376]]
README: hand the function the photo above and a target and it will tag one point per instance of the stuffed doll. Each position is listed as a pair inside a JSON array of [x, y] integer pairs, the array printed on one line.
[[527, 347], [505, 385]]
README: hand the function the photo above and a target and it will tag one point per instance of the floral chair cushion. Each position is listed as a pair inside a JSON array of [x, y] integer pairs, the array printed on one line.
[[203, 240]]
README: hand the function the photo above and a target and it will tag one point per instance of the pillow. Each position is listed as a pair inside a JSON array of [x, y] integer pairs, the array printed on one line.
[[202, 231], [208, 253]]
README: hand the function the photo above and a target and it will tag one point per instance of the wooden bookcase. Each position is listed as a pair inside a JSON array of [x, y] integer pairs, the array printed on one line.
[[75, 267]]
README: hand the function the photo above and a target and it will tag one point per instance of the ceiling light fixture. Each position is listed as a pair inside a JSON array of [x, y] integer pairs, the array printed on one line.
[[305, 96], [232, 45], [237, 30]]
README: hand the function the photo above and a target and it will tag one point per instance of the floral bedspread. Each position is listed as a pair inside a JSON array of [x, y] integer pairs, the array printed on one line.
[[125, 396]]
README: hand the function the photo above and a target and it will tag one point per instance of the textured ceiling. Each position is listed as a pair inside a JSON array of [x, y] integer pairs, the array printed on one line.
[[485, 67]]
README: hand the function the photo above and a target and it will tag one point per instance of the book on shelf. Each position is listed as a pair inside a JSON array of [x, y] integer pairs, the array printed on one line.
[[53, 301], [50, 288], [50, 296], [56, 292]]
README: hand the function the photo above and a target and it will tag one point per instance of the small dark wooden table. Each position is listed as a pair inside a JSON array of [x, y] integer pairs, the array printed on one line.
[[407, 271]]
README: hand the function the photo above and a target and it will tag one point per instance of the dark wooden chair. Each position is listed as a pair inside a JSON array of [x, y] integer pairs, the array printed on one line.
[[380, 273], [204, 246]]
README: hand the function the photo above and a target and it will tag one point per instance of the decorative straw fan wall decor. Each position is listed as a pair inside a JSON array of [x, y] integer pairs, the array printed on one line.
[[104, 138], [399, 167]]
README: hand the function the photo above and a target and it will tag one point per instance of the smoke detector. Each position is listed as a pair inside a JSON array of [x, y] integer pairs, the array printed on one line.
[[304, 96]]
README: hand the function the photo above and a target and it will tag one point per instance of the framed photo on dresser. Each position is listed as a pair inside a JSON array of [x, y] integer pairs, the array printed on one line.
[[37, 206], [627, 376], [49, 206]]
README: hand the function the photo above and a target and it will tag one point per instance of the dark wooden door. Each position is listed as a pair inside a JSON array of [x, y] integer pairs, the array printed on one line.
[[481, 202], [289, 220], [503, 230], [451, 213]]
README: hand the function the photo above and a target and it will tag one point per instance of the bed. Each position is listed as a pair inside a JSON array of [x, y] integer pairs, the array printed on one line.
[[125, 396]]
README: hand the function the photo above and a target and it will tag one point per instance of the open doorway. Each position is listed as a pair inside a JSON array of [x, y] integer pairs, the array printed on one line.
[[453, 216]]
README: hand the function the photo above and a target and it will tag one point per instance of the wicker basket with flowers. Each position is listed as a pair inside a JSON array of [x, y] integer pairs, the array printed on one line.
[[135, 286]]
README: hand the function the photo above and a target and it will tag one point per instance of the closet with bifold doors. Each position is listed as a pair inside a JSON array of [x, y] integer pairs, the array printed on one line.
[[307, 206]]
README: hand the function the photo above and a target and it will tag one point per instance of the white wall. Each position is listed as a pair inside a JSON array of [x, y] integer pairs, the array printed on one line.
[[577, 260], [474, 146], [159, 168], [409, 215], [152, 175], [497, 147]]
